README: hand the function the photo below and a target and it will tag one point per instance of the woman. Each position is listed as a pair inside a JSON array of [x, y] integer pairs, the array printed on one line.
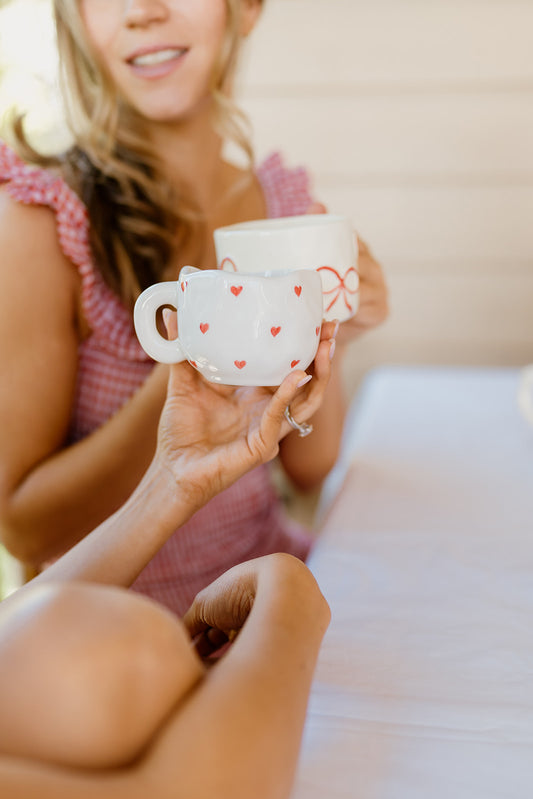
[[101, 691], [148, 96]]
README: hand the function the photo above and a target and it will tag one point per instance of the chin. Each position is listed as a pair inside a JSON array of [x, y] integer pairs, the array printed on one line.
[[171, 112], [162, 117]]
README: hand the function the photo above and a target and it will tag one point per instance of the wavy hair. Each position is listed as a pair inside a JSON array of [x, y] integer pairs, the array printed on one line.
[[136, 218]]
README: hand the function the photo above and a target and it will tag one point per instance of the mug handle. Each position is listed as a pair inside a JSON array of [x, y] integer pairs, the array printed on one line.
[[144, 320]]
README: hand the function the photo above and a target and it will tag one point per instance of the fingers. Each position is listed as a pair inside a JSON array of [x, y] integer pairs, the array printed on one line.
[[329, 330], [194, 619], [224, 603], [363, 246], [304, 396], [317, 208], [220, 610], [323, 359], [273, 423], [209, 642], [181, 371], [308, 400], [206, 638], [170, 318]]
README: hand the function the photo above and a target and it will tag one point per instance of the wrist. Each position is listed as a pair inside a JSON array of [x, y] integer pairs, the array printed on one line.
[[157, 381], [160, 497]]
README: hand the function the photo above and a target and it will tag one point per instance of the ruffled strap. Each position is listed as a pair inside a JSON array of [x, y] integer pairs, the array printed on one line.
[[287, 191], [109, 320], [10, 163], [34, 186]]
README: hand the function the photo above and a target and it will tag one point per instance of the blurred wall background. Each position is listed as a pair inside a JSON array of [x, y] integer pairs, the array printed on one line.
[[28, 70]]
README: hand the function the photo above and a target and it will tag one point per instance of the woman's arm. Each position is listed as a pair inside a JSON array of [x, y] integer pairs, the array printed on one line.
[[51, 496], [249, 711]]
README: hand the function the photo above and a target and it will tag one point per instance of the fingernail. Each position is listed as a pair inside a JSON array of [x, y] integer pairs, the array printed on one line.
[[304, 380], [337, 325], [166, 315], [332, 349]]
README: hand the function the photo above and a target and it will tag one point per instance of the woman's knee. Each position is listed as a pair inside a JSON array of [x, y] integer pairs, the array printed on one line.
[[88, 673]]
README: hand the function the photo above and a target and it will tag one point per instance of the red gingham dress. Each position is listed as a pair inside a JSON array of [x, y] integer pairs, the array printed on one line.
[[245, 521]]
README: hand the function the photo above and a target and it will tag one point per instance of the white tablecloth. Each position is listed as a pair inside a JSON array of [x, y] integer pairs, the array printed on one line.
[[424, 687]]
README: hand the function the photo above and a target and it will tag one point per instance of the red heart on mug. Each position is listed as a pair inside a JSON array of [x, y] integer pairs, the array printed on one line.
[[204, 327], [294, 363], [240, 364], [297, 290], [236, 290], [318, 331], [275, 331]]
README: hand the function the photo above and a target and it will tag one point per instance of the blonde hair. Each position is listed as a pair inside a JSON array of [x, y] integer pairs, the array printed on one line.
[[136, 218]]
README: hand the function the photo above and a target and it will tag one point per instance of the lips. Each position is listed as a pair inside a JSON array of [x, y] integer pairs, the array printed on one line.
[[156, 61]]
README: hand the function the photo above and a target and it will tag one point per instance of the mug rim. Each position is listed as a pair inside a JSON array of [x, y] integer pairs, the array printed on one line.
[[304, 274], [273, 225]]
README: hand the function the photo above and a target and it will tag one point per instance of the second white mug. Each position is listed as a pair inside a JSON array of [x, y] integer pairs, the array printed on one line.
[[325, 243]]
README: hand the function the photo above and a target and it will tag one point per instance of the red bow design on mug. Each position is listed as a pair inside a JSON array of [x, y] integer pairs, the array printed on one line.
[[227, 261], [342, 288]]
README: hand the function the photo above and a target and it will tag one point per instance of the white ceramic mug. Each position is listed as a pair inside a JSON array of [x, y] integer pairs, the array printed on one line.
[[240, 330], [525, 393], [322, 242]]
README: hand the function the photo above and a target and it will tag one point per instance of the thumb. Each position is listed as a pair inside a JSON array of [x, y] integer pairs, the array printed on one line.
[[317, 208]]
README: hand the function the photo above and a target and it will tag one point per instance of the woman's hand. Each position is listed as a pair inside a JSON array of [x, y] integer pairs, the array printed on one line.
[[220, 610], [373, 297], [210, 435]]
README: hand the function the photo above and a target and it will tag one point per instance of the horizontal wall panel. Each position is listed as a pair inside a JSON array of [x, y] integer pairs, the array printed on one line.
[[485, 310], [446, 223], [448, 319], [404, 44], [370, 352], [377, 349], [404, 265], [374, 139]]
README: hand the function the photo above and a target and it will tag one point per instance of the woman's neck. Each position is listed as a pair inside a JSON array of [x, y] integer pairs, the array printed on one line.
[[191, 152]]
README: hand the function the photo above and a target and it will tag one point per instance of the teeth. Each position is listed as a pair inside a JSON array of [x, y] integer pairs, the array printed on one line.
[[156, 58]]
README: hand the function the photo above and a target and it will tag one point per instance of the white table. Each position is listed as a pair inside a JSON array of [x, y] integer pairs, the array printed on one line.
[[424, 687]]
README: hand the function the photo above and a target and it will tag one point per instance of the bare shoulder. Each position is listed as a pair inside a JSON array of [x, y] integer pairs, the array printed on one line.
[[39, 339], [29, 238]]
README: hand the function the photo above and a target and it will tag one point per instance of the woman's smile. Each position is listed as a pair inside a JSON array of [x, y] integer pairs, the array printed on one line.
[[157, 61]]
